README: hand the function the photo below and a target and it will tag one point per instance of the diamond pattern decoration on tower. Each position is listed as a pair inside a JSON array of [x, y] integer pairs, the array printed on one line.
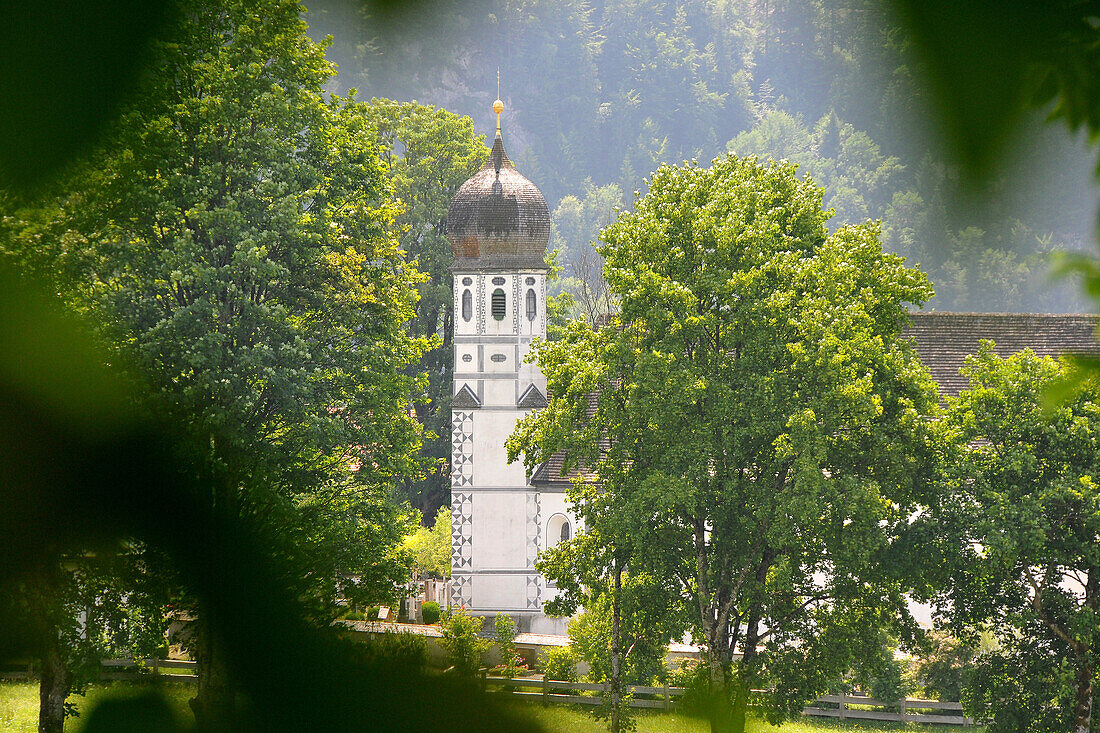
[[462, 591], [534, 527], [462, 449], [481, 305], [515, 305], [462, 530], [534, 591]]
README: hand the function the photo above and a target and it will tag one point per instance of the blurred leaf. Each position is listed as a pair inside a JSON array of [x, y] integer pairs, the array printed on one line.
[[977, 57], [64, 69]]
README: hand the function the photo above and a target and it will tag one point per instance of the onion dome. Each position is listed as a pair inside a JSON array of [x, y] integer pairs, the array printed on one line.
[[499, 219]]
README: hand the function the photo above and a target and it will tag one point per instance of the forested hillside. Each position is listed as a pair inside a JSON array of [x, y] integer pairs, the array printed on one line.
[[600, 93]]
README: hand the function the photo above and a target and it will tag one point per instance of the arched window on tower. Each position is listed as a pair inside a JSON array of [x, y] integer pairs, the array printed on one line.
[[558, 530], [499, 304], [532, 305], [467, 305]]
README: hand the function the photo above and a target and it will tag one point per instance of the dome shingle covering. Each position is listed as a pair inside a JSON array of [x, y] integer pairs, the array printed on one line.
[[499, 219]]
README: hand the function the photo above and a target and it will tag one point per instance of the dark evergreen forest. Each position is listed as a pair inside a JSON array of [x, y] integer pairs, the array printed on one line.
[[600, 93]]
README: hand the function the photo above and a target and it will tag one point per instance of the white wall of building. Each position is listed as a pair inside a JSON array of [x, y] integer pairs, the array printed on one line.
[[499, 520]]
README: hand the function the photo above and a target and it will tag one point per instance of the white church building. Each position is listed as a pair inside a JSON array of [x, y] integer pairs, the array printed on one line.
[[499, 226]]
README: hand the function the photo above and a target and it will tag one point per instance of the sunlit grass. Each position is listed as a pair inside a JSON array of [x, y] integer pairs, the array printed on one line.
[[18, 707], [574, 720], [19, 702], [19, 714]]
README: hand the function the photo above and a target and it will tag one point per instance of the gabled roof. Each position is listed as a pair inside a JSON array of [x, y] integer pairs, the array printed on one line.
[[465, 397], [944, 340], [532, 399]]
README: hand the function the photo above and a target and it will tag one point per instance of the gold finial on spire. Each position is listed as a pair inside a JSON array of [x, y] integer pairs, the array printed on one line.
[[498, 106]]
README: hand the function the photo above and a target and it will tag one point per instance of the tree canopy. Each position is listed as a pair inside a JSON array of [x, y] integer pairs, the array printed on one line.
[[602, 93], [1017, 529], [753, 423], [429, 153], [233, 240]]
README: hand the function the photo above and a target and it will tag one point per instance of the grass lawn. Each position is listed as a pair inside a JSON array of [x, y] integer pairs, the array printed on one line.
[[573, 720], [19, 714], [19, 702]]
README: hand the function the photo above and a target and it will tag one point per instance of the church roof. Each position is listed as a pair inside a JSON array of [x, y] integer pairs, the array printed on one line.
[[944, 340], [499, 219]]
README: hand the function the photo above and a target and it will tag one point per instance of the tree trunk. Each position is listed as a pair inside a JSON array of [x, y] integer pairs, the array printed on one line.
[[1082, 714], [716, 627], [53, 689], [214, 701], [616, 650], [744, 679], [720, 714]]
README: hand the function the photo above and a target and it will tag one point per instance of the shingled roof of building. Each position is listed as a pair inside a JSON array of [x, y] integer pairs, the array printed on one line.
[[499, 219], [944, 340], [550, 473]]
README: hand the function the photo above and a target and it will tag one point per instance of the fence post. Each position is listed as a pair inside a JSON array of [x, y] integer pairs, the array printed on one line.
[[843, 705], [901, 709], [156, 666], [545, 691], [668, 697]]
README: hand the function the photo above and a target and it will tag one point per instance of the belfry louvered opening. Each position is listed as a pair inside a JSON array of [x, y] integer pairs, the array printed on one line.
[[499, 304]]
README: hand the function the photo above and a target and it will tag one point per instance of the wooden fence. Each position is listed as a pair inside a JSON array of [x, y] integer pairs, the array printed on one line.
[[130, 669], [844, 707], [556, 691], [909, 710], [123, 669]]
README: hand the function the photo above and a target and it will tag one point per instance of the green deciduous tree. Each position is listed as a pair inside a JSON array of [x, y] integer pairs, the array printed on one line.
[[577, 225], [505, 639], [650, 617], [97, 604], [431, 547], [1022, 516], [462, 640], [232, 239], [430, 152], [755, 425]]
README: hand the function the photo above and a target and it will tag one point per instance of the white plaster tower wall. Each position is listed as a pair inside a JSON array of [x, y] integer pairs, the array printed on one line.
[[498, 225]]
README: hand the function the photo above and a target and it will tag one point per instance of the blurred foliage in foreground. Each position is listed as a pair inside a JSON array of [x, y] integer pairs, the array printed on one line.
[[217, 397], [82, 465]]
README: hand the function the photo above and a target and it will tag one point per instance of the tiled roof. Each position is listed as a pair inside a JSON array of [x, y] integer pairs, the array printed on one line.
[[549, 474], [499, 219], [944, 340]]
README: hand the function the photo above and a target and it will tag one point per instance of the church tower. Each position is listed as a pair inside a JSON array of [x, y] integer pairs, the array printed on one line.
[[498, 225]]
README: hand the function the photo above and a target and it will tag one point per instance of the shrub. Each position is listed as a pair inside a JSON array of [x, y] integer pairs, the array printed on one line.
[[506, 645], [430, 611], [372, 613], [354, 616], [462, 641], [559, 663], [943, 668], [695, 679], [401, 652]]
